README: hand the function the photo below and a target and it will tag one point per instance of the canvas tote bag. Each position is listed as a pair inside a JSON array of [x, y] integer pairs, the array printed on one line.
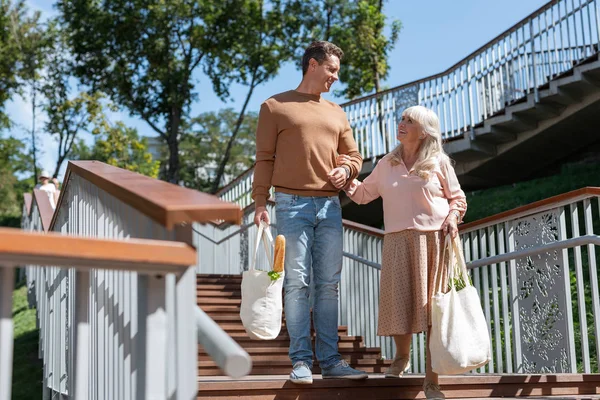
[[261, 296], [460, 339]]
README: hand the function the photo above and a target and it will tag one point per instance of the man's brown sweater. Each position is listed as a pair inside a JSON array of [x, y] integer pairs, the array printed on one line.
[[298, 138]]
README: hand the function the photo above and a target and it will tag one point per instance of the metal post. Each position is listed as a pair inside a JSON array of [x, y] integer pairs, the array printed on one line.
[[186, 336], [536, 95], [152, 338], [81, 338], [7, 277]]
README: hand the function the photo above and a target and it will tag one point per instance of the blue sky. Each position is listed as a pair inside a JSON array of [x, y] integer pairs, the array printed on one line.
[[436, 34]]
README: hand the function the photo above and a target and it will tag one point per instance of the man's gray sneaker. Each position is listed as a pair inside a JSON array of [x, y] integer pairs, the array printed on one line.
[[301, 373], [342, 370]]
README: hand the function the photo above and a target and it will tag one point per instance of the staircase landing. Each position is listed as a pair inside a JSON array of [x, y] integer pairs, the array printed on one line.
[[565, 386]]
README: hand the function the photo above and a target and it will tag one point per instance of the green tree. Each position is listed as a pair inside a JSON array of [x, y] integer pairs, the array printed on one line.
[[19, 42], [357, 26], [270, 36], [14, 161], [120, 146], [203, 146], [68, 115], [143, 55]]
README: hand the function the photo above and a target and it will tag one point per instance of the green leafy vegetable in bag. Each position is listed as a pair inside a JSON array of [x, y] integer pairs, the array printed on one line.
[[274, 275], [458, 280]]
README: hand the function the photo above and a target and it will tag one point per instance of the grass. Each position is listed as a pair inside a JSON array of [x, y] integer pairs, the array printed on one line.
[[27, 368], [483, 203]]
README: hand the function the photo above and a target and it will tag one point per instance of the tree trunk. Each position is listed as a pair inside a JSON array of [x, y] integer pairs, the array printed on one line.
[[238, 125], [33, 144], [173, 143], [61, 160], [376, 82]]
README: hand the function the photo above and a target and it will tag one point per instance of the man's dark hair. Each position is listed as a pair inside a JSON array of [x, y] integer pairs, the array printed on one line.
[[320, 50]]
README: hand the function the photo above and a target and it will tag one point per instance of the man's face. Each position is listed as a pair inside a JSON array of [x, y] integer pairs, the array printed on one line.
[[326, 74]]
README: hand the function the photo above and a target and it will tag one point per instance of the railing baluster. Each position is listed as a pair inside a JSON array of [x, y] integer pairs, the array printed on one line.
[[505, 293], [563, 235], [574, 209], [514, 299], [81, 338], [7, 279], [593, 271]]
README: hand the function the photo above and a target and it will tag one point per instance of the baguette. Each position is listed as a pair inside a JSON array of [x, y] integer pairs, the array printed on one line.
[[279, 256]]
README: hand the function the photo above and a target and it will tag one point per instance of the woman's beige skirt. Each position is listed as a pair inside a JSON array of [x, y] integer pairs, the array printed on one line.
[[410, 271]]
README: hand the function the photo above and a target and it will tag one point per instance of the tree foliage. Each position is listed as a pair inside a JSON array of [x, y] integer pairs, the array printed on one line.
[[271, 35], [14, 161], [20, 45], [203, 145], [145, 54], [357, 26], [142, 53], [120, 146], [69, 114]]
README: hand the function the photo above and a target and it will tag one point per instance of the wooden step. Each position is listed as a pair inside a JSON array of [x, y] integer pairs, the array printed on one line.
[[409, 387], [284, 336], [276, 367], [218, 286], [217, 309], [350, 355], [247, 343], [218, 279], [228, 294], [217, 301], [275, 351]]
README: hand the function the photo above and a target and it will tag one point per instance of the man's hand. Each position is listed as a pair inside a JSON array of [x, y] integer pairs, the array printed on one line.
[[261, 214], [337, 177]]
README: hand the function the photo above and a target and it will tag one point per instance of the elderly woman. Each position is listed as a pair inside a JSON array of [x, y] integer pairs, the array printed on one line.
[[422, 201]]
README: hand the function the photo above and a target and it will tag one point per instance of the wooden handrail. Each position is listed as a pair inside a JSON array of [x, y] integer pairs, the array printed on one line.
[[55, 249], [164, 202], [531, 208], [363, 228], [519, 211], [28, 199], [44, 207]]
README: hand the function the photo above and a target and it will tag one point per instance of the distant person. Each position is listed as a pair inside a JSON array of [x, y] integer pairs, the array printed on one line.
[[298, 137], [422, 202], [50, 186]]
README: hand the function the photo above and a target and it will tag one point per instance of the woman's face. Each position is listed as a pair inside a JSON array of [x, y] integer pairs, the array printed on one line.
[[409, 130]]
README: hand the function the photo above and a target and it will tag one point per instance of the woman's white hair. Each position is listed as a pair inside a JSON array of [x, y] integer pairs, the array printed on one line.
[[431, 152]]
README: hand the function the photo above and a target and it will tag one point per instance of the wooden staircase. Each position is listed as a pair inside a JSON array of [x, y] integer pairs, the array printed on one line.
[[219, 296]]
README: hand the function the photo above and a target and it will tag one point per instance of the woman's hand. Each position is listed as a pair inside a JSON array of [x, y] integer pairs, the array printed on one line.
[[337, 177], [450, 225], [342, 159]]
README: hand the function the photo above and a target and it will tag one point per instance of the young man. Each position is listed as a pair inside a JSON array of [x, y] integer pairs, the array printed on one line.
[[298, 137]]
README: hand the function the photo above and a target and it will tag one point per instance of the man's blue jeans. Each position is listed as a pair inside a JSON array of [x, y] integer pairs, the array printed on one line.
[[312, 227]]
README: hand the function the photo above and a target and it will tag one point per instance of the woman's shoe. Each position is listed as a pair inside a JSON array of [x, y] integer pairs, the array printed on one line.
[[433, 391], [398, 368]]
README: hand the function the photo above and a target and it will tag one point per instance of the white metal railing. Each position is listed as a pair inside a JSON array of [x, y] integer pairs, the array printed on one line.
[[69, 322], [116, 314], [239, 190], [542, 309], [119, 316], [542, 304], [544, 45], [226, 248], [527, 56]]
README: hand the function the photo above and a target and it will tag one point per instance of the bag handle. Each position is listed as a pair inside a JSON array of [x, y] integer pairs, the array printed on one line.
[[264, 233], [454, 253]]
